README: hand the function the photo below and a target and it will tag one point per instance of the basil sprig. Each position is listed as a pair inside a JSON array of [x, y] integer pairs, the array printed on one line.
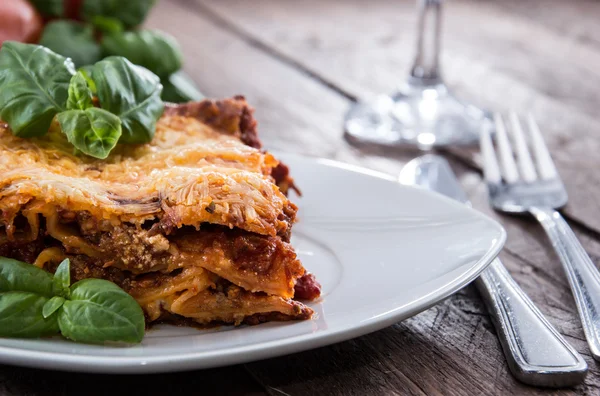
[[21, 315], [99, 311], [33, 87], [132, 93], [80, 95], [91, 130], [37, 84], [33, 303]]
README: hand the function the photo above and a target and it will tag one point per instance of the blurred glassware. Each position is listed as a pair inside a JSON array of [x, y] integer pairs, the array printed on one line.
[[423, 112]]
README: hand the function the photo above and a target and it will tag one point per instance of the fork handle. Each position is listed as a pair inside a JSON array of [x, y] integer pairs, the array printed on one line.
[[583, 275], [536, 353]]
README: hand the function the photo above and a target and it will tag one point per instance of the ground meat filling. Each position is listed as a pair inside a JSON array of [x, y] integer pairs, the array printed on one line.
[[258, 258], [26, 251], [125, 246], [258, 263], [138, 260]]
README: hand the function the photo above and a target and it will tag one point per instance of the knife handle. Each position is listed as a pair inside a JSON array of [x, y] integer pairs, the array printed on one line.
[[536, 353]]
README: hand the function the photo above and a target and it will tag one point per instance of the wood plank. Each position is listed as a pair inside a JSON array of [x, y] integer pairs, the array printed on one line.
[[234, 381], [492, 54], [578, 19]]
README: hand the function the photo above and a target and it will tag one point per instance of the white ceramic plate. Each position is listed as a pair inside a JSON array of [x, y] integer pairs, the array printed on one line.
[[382, 251]]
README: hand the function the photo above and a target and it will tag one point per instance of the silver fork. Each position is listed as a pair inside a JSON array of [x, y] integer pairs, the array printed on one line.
[[517, 185]]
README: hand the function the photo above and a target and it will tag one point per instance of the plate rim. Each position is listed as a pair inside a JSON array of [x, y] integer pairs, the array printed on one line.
[[243, 354]]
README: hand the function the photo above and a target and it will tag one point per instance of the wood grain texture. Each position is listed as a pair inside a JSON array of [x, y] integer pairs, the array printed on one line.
[[301, 64], [577, 20]]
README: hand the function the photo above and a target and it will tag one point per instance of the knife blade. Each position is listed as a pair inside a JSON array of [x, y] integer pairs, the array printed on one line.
[[535, 352]]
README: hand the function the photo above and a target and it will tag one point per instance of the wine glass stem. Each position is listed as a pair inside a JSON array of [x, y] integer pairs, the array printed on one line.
[[426, 65]]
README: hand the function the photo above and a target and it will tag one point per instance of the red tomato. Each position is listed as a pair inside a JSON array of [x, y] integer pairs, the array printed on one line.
[[19, 21]]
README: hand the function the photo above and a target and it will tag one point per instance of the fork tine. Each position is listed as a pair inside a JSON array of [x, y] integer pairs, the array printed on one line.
[[545, 165], [491, 170], [507, 161], [524, 161]]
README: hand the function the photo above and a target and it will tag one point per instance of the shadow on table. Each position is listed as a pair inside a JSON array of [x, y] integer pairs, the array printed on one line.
[[234, 380]]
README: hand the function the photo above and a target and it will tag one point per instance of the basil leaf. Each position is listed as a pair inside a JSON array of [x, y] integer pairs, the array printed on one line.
[[132, 93], [80, 95], [21, 315], [101, 311], [18, 276], [107, 24], [33, 87], [180, 88], [72, 39], [130, 12], [49, 8], [86, 72], [93, 131], [62, 279], [156, 51], [52, 306]]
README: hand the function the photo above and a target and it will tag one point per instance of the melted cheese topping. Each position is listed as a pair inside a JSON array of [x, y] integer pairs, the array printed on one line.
[[189, 172]]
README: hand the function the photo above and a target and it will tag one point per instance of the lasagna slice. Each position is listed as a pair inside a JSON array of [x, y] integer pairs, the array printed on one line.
[[194, 225]]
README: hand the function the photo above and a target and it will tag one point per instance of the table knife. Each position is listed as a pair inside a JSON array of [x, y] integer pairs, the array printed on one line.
[[536, 353]]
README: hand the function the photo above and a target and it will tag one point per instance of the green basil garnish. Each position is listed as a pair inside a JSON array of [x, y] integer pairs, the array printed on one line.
[[100, 310], [132, 93], [52, 306], [179, 87], [86, 72], [62, 279], [72, 39], [33, 87], [18, 276], [33, 303], [80, 95], [130, 12], [93, 131], [154, 50], [21, 315]]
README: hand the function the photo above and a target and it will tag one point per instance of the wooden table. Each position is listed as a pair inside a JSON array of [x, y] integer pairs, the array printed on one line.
[[301, 64]]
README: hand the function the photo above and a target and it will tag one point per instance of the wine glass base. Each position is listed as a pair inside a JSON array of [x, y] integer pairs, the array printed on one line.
[[421, 114]]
